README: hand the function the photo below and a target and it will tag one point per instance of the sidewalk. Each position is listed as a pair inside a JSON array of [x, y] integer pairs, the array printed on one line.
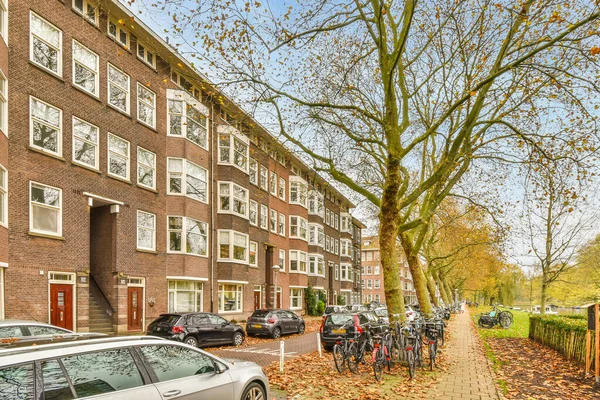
[[469, 375]]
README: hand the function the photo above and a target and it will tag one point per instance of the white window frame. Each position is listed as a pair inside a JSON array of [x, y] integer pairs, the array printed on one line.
[[232, 234], [198, 294], [337, 222], [264, 217], [96, 72], [188, 101], [345, 223], [84, 11], [253, 206], [369, 284], [119, 29], [273, 183], [263, 179], [3, 101], [153, 168], [300, 257], [376, 284], [316, 203], [318, 234], [147, 103], [144, 57], [152, 229], [58, 127], [314, 260], [127, 89], [297, 294], [239, 290], [336, 249], [232, 199], [59, 49], [281, 225], [345, 272], [184, 232], [327, 217], [4, 21], [183, 176], [255, 246], [328, 240], [4, 196], [96, 145], [253, 171], [337, 272], [298, 191], [59, 208], [282, 260], [281, 188], [346, 248], [108, 156], [273, 221], [231, 135], [301, 223], [377, 270]]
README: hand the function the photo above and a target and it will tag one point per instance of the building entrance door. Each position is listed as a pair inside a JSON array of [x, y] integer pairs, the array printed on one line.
[[61, 305], [135, 311], [257, 297]]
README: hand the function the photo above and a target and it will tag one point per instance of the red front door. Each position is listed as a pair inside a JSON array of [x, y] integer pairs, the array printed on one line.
[[61, 305], [135, 311], [256, 300]]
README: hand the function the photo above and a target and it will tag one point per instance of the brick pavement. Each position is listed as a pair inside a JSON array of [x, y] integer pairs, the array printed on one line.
[[469, 375], [265, 353]]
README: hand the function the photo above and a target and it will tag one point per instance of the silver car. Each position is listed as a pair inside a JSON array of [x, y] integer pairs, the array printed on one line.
[[16, 328], [124, 368]]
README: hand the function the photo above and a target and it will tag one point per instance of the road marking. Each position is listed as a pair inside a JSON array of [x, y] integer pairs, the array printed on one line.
[[269, 352]]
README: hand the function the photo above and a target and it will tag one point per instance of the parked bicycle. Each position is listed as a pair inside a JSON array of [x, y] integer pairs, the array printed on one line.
[[341, 352], [413, 348], [433, 331], [358, 348], [381, 354], [495, 317]]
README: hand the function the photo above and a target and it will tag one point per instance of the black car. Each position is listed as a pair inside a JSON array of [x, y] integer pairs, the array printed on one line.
[[341, 324], [197, 329], [332, 309], [274, 323]]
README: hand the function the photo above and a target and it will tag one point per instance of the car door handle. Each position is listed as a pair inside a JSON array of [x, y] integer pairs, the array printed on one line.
[[171, 393]]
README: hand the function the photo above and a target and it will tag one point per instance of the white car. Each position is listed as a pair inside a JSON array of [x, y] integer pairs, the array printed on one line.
[[410, 313]]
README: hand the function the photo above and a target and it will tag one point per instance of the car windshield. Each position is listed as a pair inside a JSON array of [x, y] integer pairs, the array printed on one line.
[[338, 319], [329, 310], [168, 319], [260, 314], [382, 312]]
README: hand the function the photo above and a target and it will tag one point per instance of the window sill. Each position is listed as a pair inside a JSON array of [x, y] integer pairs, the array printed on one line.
[[56, 157], [253, 266], [147, 188], [152, 67], [175, 253], [154, 252], [46, 236], [51, 73], [117, 109], [222, 260], [230, 312], [118, 178], [76, 164], [298, 272], [152, 128], [95, 25]]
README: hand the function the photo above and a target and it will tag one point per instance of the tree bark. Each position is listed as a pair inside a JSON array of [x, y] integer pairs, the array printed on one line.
[[431, 289], [544, 294], [419, 279], [440, 284]]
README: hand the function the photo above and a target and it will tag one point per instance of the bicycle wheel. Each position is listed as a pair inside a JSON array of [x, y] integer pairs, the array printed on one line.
[[387, 357], [354, 357], [339, 358], [378, 365], [432, 351], [505, 320], [418, 354], [396, 352], [412, 364]]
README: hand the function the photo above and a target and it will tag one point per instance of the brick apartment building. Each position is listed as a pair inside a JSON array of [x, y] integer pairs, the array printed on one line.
[[372, 274], [133, 188]]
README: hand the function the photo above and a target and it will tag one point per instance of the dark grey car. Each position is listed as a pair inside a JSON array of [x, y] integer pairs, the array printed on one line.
[[274, 323]]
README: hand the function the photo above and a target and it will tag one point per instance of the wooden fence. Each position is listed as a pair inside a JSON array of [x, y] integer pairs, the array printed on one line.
[[565, 334]]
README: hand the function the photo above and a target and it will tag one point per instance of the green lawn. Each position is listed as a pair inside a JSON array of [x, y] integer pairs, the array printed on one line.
[[519, 328]]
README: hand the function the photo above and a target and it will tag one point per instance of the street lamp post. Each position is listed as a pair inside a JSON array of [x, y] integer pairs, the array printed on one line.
[[275, 269]]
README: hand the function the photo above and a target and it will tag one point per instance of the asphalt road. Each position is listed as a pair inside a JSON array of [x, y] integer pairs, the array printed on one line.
[[265, 353]]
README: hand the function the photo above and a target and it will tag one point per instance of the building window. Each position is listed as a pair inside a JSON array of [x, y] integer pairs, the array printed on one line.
[[273, 183], [298, 227], [4, 21], [187, 235], [298, 191], [146, 106], [187, 119], [188, 179], [315, 203], [233, 199], [46, 127], [316, 265], [253, 213], [230, 298], [337, 272], [336, 249], [185, 296], [337, 222], [146, 231], [180, 80], [377, 284], [346, 247], [233, 151], [3, 196], [45, 44], [146, 55], [282, 188], [146, 168], [3, 97], [264, 210], [328, 217], [328, 240], [369, 284], [85, 143], [282, 260], [87, 10], [118, 33], [298, 261], [86, 66], [282, 224], [45, 209], [273, 221], [296, 299], [345, 223], [118, 157], [376, 256], [345, 273], [377, 298], [118, 89], [369, 270], [253, 168], [369, 256], [233, 246], [316, 236], [263, 177], [253, 254], [377, 270]]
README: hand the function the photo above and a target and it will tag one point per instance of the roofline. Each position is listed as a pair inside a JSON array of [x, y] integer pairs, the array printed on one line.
[[168, 47]]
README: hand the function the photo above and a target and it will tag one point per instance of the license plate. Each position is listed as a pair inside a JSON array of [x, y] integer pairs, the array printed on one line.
[[338, 331], [257, 326]]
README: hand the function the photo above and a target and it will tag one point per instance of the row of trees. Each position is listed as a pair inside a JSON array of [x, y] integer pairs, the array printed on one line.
[[406, 103]]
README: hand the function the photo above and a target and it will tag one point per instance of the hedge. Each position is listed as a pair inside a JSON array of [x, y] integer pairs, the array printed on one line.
[[565, 334]]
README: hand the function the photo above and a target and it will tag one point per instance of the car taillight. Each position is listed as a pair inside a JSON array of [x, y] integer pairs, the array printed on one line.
[[271, 320], [376, 345], [409, 349], [357, 325], [177, 329]]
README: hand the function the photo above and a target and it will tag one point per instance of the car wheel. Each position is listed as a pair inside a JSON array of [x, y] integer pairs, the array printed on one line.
[[238, 338], [301, 329], [254, 391], [276, 333], [191, 341]]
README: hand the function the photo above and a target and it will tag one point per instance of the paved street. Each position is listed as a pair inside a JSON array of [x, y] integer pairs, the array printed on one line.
[[265, 353]]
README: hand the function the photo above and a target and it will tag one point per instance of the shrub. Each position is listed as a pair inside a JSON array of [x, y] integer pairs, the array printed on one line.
[[243, 321], [320, 307], [234, 321], [310, 297], [341, 300]]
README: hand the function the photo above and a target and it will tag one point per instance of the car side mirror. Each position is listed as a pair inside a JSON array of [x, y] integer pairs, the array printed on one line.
[[381, 321], [225, 323], [220, 367]]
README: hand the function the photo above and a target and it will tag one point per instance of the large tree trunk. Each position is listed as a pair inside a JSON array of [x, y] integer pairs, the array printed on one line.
[[544, 295], [440, 284], [431, 289], [419, 279]]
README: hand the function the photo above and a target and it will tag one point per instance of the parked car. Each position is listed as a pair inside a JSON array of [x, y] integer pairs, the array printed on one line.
[[410, 313], [357, 307], [382, 314], [123, 368], [274, 323], [197, 329], [332, 309], [14, 328], [347, 323]]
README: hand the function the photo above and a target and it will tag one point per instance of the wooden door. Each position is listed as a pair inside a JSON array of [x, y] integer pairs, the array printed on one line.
[[135, 311], [257, 296], [61, 305], [279, 296]]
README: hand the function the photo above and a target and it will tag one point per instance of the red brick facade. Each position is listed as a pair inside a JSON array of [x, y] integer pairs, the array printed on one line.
[[100, 251], [3, 145]]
